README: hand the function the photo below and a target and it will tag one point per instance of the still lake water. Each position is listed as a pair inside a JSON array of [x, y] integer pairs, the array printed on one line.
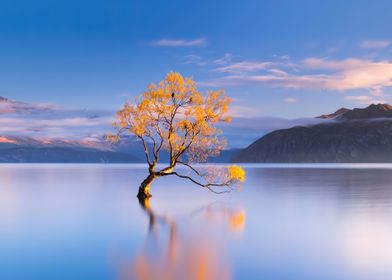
[[288, 222]]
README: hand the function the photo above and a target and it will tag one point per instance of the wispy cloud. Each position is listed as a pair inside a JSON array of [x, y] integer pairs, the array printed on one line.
[[364, 99], [204, 61], [237, 111], [244, 67], [311, 73], [239, 108], [45, 120], [278, 72], [375, 44], [194, 59], [353, 73], [69, 128], [8, 106], [290, 100], [180, 42], [224, 59]]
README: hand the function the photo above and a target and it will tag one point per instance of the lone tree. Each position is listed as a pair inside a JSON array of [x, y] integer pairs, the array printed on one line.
[[176, 117]]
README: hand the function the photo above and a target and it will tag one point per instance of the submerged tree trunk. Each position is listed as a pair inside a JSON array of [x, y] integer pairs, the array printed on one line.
[[144, 188]]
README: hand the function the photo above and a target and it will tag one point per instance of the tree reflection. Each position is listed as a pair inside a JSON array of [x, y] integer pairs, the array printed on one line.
[[171, 254]]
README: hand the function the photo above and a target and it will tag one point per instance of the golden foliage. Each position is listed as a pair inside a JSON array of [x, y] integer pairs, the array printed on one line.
[[177, 116], [236, 173]]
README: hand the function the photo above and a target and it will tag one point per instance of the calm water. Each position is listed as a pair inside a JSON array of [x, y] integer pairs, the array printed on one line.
[[288, 222]]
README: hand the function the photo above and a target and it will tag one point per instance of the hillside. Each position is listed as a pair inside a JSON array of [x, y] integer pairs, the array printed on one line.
[[358, 135]]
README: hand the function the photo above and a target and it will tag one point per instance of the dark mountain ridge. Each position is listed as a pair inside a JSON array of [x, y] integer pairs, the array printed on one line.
[[337, 113], [24, 149], [62, 155], [358, 135], [371, 112]]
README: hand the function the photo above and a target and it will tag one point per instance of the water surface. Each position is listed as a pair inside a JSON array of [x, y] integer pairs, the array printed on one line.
[[288, 222]]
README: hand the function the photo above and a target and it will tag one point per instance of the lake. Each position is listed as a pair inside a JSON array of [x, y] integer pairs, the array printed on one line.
[[321, 221]]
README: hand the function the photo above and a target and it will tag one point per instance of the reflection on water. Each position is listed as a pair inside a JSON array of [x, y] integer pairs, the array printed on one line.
[[196, 256], [297, 222]]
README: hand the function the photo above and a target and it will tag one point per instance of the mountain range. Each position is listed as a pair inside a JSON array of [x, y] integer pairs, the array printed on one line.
[[347, 135], [23, 149], [357, 135]]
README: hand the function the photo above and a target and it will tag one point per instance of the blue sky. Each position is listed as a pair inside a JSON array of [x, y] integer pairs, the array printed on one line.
[[289, 59]]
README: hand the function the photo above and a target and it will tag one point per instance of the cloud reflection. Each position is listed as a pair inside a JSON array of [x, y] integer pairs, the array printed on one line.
[[367, 244]]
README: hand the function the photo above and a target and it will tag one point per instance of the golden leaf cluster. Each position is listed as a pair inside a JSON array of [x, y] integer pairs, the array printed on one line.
[[174, 115], [236, 173]]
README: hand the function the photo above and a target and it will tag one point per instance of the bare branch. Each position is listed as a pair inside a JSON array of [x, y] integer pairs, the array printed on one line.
[[161, 142], [154, 148], [191, 167], [145, 150], [207, 186], [187, 146]]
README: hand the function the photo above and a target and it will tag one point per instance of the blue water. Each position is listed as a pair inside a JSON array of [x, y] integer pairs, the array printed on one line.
[[288, 222]]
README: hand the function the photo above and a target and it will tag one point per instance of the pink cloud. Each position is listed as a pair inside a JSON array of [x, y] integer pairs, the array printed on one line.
[[312, 73], [354, 73]]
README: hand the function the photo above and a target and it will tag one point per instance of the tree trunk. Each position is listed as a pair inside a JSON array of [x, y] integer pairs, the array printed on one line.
[[144, 188]]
